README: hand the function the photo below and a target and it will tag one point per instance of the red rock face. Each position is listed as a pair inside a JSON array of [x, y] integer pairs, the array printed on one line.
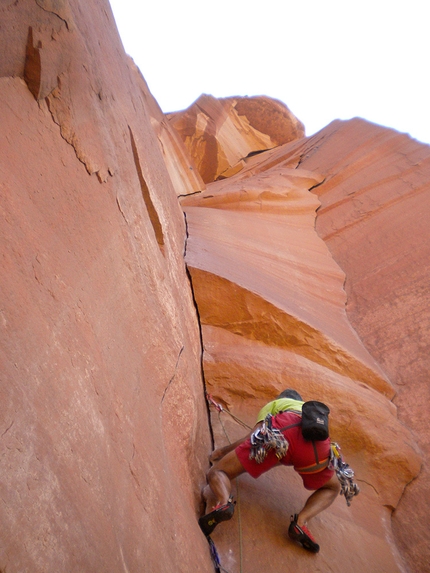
[[103, 421], [309, 268], [270, 296], [220, 134], [374, 218]]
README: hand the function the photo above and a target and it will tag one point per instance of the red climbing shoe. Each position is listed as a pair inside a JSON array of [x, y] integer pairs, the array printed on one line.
[[219, 513], [302, 535]]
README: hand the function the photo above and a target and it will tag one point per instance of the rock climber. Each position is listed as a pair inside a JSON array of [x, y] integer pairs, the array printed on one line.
[[234, 459]]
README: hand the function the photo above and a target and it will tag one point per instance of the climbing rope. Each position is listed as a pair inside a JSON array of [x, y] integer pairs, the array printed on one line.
[[215, 557], [220, 409]]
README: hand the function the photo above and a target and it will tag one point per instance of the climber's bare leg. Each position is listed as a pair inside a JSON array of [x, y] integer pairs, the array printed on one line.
[[319, 500], [219, 479]]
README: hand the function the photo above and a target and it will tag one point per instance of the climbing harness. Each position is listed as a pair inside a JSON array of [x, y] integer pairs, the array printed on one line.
[[344, 474], [267, 438], [318, 466]]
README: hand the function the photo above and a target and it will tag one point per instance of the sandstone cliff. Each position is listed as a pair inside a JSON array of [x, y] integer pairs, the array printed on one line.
[[103, 420], [308, 260], [270, 292]]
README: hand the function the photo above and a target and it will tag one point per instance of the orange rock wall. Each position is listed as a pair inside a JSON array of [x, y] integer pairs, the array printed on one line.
[[103, 424], [374, 211], [275, 314], [220, 133], [309, 266]]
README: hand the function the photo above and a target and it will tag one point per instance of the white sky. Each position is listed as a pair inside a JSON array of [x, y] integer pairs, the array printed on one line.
[[325, 59]]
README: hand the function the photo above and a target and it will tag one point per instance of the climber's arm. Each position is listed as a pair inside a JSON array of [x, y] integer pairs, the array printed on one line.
[[219, 453]]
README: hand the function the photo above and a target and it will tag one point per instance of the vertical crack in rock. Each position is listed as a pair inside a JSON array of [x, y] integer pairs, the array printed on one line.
[[121, 210], [405, 488], [200, 331], [7, 429], [152, 212], [174, 374]]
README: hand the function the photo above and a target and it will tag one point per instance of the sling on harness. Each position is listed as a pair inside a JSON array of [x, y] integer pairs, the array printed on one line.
[[344, 474], [267, 438]]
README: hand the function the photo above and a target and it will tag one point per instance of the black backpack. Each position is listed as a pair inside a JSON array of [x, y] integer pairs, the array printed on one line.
[[314, 421]]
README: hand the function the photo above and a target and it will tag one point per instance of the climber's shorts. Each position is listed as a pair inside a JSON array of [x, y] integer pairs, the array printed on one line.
[[300, 454], [315, 481]]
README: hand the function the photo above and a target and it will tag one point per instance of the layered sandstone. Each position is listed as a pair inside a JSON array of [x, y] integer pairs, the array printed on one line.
[[374, 211], [309, 266], [220, 134], [275, 314]]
